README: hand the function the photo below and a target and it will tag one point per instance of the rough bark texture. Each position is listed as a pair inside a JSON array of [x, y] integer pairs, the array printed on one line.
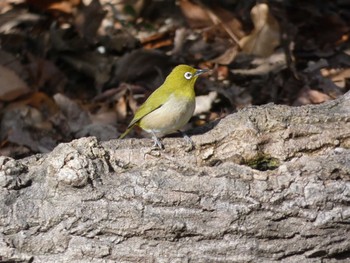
[[266, 184]]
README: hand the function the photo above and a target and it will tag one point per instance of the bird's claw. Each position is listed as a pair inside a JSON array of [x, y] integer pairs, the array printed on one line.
[[157, 143], [188, 141]]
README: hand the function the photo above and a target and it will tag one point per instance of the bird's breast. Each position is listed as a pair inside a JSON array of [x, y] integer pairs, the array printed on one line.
[[171, 116]]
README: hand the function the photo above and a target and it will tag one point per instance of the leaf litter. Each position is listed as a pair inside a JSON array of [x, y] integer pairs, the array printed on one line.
[[74, 68]]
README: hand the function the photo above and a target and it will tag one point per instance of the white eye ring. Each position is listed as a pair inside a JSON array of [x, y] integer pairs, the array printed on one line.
[[188, 75]]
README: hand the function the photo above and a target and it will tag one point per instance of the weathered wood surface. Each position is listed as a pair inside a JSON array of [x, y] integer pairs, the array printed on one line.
[[266, 184]]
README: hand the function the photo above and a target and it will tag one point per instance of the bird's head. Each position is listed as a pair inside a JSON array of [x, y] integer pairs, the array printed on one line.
[[184, 76]]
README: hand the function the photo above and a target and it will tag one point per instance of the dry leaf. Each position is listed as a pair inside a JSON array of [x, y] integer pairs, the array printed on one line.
[[64, 6], [76, 117], [11, 85], [104, 117], [129, 10], [131, 68], [88, 19], [119, 41], [204, 102], [266, 34], [15, 17], [339, 77], [14, 63], [125, 100], [227, 57], [121, 107], [310, 96], [28, 122], [44, 74], [264, 66], [199, 16], [157, 40], [179, 41], [26, 125], [222, 72], [220, 25], [196, 15], [40, 101], [92, 64]]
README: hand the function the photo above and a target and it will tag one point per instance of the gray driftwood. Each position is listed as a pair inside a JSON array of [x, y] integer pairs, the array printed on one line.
[[266, 184]]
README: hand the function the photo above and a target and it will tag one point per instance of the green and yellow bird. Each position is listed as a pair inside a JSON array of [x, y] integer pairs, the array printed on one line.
[[170, 106]]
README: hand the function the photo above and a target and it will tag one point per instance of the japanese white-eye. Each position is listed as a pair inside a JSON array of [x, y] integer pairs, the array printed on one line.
[[170, 106]]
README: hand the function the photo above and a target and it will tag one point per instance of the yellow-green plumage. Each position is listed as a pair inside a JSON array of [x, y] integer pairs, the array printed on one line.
[[170, 106]]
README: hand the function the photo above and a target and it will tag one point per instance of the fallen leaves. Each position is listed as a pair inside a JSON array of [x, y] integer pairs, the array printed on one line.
[[55, 6], [27, 123], [218, 23], [72, 68], [309, 96], [265, 36], [88, 19], [339, 76], [199, 15], [11, 85]]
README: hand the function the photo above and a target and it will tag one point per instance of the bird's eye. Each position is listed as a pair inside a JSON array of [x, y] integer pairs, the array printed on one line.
[[188, 75]]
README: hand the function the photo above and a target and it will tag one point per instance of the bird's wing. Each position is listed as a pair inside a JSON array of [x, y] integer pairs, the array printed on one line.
[[145, 111], [154, 101]]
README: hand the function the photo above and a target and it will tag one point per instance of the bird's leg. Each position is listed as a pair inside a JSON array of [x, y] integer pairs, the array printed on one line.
[[157, 142], [187, 139]]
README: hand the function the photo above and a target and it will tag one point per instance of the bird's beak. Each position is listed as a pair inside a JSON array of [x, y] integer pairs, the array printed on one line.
[[200, 71]]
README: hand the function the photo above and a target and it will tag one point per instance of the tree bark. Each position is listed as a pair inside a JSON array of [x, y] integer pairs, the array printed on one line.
[[266, 184]]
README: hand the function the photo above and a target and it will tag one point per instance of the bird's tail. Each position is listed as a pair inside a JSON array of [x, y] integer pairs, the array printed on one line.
[[126, 132]]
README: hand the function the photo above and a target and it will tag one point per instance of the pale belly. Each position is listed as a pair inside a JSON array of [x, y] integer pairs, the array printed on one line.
[[170, 117]]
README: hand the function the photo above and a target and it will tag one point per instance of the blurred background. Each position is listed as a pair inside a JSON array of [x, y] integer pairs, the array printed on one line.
[[75, 68]]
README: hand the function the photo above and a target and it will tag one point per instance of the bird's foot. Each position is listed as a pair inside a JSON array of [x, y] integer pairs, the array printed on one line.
[[157, 142], [188, 141]]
